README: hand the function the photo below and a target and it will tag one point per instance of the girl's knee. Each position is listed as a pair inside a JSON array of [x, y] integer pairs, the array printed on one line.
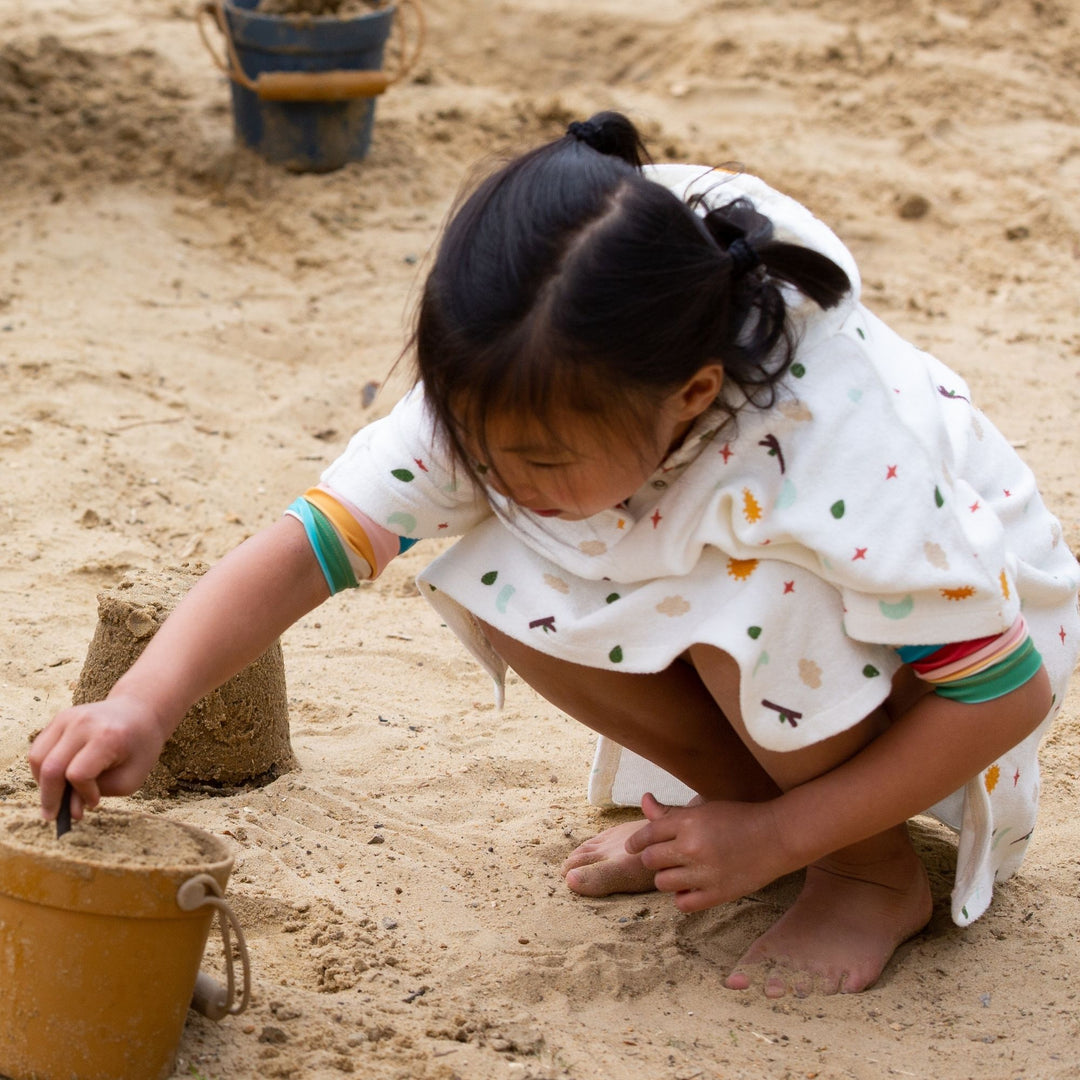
[[719, 671]]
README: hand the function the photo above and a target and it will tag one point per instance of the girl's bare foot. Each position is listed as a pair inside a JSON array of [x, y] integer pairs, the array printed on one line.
[[602, 866], [845, 925]]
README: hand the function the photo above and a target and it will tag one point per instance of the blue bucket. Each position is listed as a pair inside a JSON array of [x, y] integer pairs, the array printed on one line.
[[285, 106]]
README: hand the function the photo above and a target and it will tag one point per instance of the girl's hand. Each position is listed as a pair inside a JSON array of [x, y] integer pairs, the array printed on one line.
[[712, 852], [106, 748]]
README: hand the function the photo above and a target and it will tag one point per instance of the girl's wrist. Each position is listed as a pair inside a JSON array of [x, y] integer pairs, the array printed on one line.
[[805, 826], [161, 717]]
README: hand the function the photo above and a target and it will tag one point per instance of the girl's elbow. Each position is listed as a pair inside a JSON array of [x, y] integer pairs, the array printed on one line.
[[1027, 706], [1040, 698]]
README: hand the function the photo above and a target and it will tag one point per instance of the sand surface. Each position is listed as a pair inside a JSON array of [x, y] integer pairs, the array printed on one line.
[[188, 335]]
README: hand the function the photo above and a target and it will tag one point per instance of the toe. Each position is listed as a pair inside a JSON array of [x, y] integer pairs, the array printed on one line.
[[586, 880], [850, 982], [609, 876], [581, 856]]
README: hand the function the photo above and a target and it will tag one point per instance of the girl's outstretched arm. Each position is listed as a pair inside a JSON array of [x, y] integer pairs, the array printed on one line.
[[231, 616]]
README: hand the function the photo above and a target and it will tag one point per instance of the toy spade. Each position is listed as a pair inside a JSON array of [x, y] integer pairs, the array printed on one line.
[[63, 815]]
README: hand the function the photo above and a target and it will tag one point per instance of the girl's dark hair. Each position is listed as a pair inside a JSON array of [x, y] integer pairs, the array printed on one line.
[[569, 279]]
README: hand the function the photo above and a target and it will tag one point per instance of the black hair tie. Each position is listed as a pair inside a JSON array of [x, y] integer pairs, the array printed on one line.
[[744, 257], [584, 131]]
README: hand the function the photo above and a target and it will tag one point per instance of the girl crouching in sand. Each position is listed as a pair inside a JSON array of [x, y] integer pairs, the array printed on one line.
[[710, 506]]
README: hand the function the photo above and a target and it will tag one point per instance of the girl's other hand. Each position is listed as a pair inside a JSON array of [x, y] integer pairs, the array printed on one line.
[[709, 853], [104, 748]]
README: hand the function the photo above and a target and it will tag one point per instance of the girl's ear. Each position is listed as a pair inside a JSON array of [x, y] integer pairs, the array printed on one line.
[[699, 392]]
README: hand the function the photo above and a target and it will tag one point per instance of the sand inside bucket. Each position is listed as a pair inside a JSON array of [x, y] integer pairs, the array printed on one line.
[[338, 9], [109, 838]]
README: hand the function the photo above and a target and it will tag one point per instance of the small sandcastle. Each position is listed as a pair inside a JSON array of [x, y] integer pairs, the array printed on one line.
[[235, 736]]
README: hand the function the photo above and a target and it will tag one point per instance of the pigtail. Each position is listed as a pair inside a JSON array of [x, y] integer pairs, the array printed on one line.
[[813, 274], [753, 334], [747, 236]]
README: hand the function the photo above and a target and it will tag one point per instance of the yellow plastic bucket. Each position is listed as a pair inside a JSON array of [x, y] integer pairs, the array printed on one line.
[[101, 937]]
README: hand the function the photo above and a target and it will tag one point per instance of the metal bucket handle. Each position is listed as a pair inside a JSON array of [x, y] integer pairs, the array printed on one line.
[[210, 998], [338, 85]]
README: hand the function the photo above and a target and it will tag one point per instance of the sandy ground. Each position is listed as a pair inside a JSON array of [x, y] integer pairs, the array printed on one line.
[[186, 335]]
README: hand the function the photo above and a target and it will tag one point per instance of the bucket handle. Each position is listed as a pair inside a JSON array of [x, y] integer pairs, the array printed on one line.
[[210, 998], [342, 85]]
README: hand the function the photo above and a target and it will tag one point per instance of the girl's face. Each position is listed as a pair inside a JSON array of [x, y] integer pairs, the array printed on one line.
[[579, 466]]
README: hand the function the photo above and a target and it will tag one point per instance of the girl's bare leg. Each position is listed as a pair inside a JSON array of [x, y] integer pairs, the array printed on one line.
[[858, 904], [670, 718]]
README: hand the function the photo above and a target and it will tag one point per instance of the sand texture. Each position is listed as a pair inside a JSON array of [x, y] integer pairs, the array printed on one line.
[[341, 9], [187, 336]]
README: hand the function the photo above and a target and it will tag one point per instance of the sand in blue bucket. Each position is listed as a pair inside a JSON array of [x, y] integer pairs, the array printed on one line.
[[305, 136]]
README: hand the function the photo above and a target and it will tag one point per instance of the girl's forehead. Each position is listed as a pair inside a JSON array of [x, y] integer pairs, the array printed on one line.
[[518, 432]]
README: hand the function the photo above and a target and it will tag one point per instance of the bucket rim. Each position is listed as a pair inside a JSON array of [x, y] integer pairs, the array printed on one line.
[[332, 41]]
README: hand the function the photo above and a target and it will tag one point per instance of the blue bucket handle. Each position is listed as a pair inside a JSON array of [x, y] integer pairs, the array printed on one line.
[[337, 85]]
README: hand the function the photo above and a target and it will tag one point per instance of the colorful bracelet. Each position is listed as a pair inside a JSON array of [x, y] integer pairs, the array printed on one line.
[[326, 545]]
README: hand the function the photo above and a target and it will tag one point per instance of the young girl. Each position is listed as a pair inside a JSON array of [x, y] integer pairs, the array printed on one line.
[[713, 508]]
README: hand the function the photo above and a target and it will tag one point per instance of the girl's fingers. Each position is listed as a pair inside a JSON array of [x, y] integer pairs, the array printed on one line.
[[75, 759], [51, 793], [662, 856], [661, 826], [652, 808], [51, 779], [690, 892], [676, 879], [78, 806], [85, 795], [42, 747], [98, 769], [688, 900]]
